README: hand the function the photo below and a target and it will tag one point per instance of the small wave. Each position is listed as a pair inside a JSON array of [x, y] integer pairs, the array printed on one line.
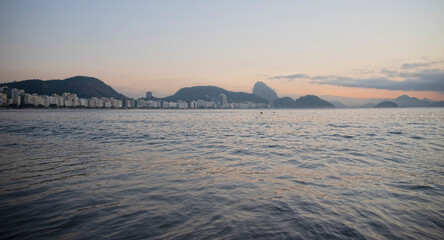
[[412, 187], [285, 210], [293, 161], [241, 152], [437, 144], [9, 145], [343, 136], [311, 165], [339, 126], [357, 154], [392, 159], [395, 132]]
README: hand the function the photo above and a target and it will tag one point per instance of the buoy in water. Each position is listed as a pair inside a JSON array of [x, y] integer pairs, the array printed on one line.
[[261, 112]]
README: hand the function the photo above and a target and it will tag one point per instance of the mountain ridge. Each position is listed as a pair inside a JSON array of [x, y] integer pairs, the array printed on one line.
[[401, 101], [308, 101], [83, 86], [208, 93]]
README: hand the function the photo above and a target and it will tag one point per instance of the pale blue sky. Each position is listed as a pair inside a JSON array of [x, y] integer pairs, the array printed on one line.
[[162, 46]]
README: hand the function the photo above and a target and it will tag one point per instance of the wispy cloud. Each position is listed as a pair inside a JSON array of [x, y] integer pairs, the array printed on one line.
[[407, 66], [325, 78], [389, 73], [418, 82], [290, 78]]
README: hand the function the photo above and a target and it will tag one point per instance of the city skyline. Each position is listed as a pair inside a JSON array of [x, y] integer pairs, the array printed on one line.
[[357, 49]]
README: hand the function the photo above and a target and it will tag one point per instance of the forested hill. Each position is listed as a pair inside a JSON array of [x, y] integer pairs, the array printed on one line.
[[84, 87]]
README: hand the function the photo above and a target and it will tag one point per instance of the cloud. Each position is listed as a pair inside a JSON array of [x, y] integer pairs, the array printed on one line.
[[419, 76], [329, 77], [427, 80], [389, 73], [290, 78], [408, 66], [424, 74]]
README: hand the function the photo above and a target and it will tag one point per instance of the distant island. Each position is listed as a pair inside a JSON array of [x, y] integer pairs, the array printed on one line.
[[386, 104], [90, 92]]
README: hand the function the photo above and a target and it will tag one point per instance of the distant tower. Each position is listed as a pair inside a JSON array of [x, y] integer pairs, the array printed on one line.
[[149, 95]]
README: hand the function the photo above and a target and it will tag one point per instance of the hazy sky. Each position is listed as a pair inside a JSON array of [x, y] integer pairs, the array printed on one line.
[[344, 48]]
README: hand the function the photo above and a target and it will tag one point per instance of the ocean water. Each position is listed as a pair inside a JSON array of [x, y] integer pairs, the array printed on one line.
[[222, 174]]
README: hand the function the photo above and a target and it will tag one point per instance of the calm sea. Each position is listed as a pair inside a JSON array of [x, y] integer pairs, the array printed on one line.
[[222, 174]]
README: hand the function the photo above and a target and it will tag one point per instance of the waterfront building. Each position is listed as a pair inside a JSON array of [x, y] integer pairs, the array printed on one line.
[[67, 103], [74, 100], [13, 97], [40, 100], [201, 104], [53, 100], [83, 102], [182, 104], [28, 99], [128, 103], [46, 101], [113, 103], [132, 103], [106, 103], [172, 105], [154, 104], [99, 103], [17, 96], [165, 104], [91, 103], [60, 101], [141, 103], [222, 101], [3, 99]]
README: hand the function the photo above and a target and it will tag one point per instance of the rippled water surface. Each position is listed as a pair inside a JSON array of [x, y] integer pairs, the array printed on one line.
[[225, 174]]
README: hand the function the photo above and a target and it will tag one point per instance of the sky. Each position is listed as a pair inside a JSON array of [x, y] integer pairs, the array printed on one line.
[[356, 48]]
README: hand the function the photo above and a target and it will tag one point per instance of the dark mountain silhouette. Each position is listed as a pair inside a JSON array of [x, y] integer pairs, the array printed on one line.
[[386, 104], [406, 101], [84, 87], [263, 91], [209, 93], [285, 102], [309, 101]]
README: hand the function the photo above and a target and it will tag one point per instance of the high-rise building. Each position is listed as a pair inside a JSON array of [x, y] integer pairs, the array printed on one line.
[[4, 99], [149, 95], [222, 101]]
